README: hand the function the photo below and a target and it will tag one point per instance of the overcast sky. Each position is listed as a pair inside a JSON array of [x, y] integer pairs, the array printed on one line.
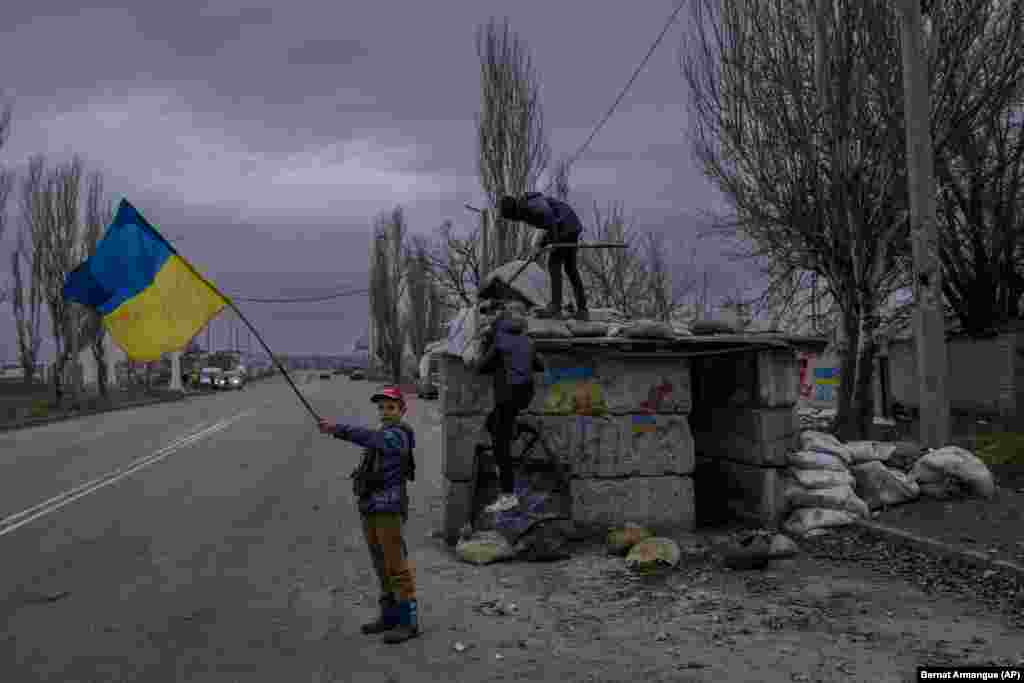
[[269, 136]]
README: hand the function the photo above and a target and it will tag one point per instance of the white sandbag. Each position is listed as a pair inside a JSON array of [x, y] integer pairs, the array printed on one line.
[[606, 315], [878, 485], [547, 328], [813, 460], [821, 479], [458, 332], [833, 498], [952, 472], [587, 329], [648, 329], [821, 442], [801, 521], [867, 451], [484, 547]]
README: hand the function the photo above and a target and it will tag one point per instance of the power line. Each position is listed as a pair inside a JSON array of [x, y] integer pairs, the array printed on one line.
[[328, 297], [622, 94]]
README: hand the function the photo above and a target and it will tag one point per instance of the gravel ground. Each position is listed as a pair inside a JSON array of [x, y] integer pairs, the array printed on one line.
[[1000, 591]]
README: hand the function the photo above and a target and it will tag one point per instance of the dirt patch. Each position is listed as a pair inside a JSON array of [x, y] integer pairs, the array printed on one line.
[[989, 526]]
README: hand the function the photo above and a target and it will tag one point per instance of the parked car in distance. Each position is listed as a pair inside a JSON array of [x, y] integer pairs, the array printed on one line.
[[339, 372], [326, 375], [230, 380], [357, 374]]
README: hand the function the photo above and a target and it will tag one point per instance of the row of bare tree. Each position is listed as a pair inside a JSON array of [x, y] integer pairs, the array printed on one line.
[[797, 117], [57, 230], [440, 275]]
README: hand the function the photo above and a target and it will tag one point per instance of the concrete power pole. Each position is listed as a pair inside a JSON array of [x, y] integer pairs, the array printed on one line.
[[929, 322]]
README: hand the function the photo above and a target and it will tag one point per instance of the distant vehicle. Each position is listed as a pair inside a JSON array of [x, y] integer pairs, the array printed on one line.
[[230, 380], [326, 375], [339, 372], [208, 377], [357, 374]]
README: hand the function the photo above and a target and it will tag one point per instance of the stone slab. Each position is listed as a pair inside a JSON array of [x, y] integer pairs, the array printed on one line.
[[458, 508], [612, 386], [656, 502], [778, 378], [741, 449], [460, 435], [462, 391], [754, 491]]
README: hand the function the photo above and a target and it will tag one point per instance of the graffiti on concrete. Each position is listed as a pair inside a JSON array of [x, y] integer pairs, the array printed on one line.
[[574, 391]]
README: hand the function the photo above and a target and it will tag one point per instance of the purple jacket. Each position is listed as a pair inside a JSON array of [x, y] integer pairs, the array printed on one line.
[[383, 462]]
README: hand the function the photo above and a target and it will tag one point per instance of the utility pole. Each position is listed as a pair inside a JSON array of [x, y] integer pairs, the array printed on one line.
[[929, 321]]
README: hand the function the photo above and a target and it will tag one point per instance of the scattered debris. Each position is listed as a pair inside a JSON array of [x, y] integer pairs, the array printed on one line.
[[620, 541]]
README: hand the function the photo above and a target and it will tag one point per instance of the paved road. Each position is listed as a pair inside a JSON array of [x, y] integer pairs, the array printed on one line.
[[126, 557]]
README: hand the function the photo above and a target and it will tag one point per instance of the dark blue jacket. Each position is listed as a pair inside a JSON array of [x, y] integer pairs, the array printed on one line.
[[551, 215], [384, 461], [510, 355]]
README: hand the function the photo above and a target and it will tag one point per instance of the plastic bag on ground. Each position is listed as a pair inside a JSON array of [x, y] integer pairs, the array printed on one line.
[[834, 498], [879, 485], [867, 451], [653, 553], [804, 520], [952, 472], [813, 460], [821, 479], [821, 442], [484, 547]]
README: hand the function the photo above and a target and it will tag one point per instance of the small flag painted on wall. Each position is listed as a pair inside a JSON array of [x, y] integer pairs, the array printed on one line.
[[644, 424]]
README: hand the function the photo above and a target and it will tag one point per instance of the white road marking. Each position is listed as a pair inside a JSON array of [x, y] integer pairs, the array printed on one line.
[[19, 519]]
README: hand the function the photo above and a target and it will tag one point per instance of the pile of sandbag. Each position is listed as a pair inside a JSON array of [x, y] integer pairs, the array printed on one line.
[[818, 487], [952, 472], [877, 483]]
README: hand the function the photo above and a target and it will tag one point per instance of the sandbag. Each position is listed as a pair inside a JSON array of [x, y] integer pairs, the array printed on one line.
[[648, 329], [587, 329], [804, 520], [820, 479], [821, 442], [605, 315], [484, 547], [547, 328], [703, 327], [905, 454], [833, 498], [812, 460], [546, 541], [652, 554], [879, 485], [952, 472], [867, 451], [620, 541]]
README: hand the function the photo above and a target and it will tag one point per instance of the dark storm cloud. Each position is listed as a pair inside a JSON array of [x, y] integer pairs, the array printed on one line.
[[327, 52], [189, 31]]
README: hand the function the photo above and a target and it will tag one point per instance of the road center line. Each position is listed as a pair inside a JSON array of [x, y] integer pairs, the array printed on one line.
[[19, 519]]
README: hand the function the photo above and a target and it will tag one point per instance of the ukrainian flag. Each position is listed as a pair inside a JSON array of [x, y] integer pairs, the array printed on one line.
[[152, 300]]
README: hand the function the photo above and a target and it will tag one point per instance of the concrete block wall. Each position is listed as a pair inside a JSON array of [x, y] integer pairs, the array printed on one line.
[[620, 424], [744, 430]]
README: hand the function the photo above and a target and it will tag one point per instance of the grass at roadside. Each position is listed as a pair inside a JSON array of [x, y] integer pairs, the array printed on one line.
[[1001, 448]]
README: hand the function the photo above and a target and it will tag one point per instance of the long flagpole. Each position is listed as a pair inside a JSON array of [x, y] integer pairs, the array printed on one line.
[[230, 303]]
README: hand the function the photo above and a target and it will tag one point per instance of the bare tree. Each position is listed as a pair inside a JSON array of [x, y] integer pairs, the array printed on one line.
[[422, 320], [815, 193], [27, 306], [614, 277], [50, 207], [513, 149], [7, 179], [387, 288], [560, 179], [457, 266], [98, 214], [668, 284]]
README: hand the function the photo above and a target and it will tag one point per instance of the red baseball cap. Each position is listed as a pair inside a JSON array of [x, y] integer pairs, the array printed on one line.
[[393, 393]]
